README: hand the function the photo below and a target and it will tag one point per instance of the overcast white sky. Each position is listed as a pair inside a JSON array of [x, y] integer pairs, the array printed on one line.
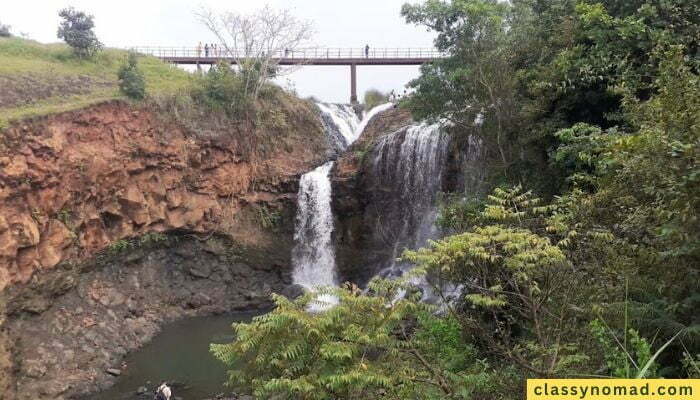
[[354, 23]]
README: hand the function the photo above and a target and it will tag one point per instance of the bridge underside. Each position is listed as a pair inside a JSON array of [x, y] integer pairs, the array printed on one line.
[[352, 62]]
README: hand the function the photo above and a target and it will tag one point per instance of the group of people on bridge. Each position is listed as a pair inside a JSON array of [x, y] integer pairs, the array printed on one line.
[[215, 50], [210, 50]]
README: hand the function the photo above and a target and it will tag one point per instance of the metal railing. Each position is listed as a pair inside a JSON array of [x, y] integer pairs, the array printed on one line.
[[301, 54]]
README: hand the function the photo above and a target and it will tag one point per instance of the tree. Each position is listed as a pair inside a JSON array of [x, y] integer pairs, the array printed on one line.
[[5, 30], [374, 97], [131, 80], [518, 284], [641, 187], [256, 41], [76, 30], [477, 81]]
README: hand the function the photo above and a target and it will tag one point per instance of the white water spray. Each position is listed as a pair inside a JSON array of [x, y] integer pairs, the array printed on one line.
[[313, 256], [408, 166], [344, 120]]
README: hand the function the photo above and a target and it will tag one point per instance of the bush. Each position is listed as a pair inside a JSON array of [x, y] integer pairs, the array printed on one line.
[[222, 88], [5, 30], [374, 97], [76, 30], [131, 80]]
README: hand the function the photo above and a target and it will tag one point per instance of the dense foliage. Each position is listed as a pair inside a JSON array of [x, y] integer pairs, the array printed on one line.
[[76, 29], [365, 347], [585, 258], [223, 88], [131, 80]]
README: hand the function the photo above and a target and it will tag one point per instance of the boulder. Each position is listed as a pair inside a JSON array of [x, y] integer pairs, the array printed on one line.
[[199, 300], [200, 271], [292, 291]]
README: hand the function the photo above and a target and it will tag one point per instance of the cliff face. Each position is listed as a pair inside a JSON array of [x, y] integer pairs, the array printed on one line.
[[85, 273], [73, 183]]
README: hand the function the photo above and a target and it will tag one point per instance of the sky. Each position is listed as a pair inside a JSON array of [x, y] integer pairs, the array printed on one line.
[[355, 23]]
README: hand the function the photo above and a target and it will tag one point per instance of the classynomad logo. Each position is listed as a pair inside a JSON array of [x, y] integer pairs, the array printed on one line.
[[613, 389]]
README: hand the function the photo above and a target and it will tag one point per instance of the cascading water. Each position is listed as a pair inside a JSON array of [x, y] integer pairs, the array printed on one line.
[[407, 168], [340, 123], [313, 256]]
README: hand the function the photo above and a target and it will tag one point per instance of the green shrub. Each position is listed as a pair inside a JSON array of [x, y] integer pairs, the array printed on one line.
[[367, 346], [131, 79], [622, 361], [374, 97], [222, 88], [268, 219]]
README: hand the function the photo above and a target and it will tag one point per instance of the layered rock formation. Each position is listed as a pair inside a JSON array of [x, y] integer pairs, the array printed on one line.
[[116, 219], [86, 319], [73, 183]]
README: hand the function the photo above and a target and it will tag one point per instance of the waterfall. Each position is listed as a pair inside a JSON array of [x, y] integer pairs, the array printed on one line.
[[407, 171], [313, 256], [340, 123]]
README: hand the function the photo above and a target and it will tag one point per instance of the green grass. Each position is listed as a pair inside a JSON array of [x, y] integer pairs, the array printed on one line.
[[48, 64]]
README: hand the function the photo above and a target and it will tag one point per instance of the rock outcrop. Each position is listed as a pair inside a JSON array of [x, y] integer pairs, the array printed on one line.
[[75, 339], [73, 183], [116, 219]]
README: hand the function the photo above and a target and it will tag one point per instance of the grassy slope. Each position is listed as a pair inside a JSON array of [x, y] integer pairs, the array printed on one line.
[[27, 66]]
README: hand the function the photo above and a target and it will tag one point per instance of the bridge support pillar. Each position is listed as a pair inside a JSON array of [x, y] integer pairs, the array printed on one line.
[[353, 83]]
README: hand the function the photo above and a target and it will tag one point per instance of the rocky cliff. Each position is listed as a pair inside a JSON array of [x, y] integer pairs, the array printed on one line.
[[115, 219], [73, 183]]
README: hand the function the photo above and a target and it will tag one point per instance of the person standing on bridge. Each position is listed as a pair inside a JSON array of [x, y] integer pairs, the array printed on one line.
[[206, 50], [199, 49], [367, 51]]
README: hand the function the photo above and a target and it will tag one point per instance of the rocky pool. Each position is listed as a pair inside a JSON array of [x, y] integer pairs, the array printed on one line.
[[178, 354]]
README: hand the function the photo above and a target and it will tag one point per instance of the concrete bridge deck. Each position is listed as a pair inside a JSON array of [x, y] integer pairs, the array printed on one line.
[[299, 57]]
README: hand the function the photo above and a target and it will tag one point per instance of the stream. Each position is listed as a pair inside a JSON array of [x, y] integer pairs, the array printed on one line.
[[178, 354]]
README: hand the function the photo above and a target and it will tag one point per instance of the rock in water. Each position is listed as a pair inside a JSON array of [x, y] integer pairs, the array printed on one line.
[[292, 291]]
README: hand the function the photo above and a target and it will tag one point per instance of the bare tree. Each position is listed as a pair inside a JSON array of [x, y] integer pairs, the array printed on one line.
[[258, 40]]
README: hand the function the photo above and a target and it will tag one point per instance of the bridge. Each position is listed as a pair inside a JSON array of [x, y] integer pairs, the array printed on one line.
[[312, 56]]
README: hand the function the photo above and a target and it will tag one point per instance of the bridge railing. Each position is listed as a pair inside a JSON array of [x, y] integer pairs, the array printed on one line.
[[301, 54]]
